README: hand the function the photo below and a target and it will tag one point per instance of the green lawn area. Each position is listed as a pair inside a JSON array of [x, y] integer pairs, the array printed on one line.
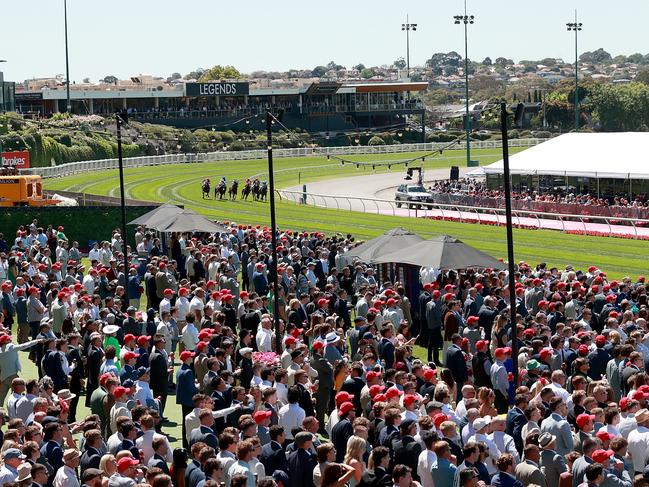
[[180, 184]]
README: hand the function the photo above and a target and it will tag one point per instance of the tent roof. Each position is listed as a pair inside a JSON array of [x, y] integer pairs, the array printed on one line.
[[618, 155], [390, 241], [160, 214], [442, 252], [189, 221]]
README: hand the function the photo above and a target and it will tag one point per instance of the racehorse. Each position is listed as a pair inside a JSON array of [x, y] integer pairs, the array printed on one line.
[[262, 192], [255, 189], [233, 190], [219, 190], [205, 188], [245, 192]]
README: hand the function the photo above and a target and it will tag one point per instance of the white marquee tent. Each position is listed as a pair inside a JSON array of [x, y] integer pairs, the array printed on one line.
[[618, 155]]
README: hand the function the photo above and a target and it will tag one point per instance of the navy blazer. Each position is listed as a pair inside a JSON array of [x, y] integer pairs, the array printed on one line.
[[502, 479], [273, 457], [515, 421], [185, 386], [300, 467], [456, 364], [386, 352]]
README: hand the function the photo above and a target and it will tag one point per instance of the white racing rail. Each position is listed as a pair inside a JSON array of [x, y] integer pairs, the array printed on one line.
[[588, 224], [134, 162]]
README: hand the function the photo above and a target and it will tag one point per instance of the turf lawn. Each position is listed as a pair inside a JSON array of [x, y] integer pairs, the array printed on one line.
[[180, 184]]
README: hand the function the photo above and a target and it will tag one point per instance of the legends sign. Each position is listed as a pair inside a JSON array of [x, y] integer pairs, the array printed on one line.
[[17, 159], [217, 89]]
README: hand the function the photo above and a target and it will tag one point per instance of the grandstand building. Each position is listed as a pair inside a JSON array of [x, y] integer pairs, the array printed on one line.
[[314, 106]]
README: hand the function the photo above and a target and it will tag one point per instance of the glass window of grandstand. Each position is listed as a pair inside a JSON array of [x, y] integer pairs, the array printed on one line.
[[580, 185], [610, 188]]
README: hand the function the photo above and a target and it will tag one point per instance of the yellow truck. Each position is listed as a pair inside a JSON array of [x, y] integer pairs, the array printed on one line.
[[23, 191]]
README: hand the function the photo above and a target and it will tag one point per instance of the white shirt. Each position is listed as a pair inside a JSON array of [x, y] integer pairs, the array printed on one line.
[[182, 303], [505, 444], [226, 459], [89, 284], [559, 391], [190, 337], [11, 404], [638, 447], [165, 305], [424, 463], [264, 339], [192, 422], [291, 416], [145, 443], [626, 425], [196, 304], [66, 477], [282, 393], [118, 409], [143, 392]]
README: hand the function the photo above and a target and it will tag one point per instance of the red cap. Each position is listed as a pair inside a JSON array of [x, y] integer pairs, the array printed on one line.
[[391, 302], [499, 352], [439, 418], [449, 297], [201, 346], [20, 291], [613, 314], [183, 291], [583, 350], [126, 462], [543, 303], [536, 281], [409, 399], [582, 419], [297, 332], [210, 284], [436, 294], [429, 374], [345, 407], [604, 435], [380, 398], [143, 340], [481, 344], [528, 332], [290, 340], [323, 302], [4, 338], [119, 391], [472, 320], [624, 404], [545, 353], [128, 337], [376, 389], [641, 278], [243, 294], [316, 345], [600, 340], [479, 286], [611, 298], [637, 395], [428, 286], [595, 288], [592, 268], [343, 396], [602, 456], [186, 355], [261, 416], [393, 392], [449, 288], [130, 356], [371, 375]]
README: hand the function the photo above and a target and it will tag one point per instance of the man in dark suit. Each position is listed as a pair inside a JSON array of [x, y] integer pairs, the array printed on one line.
[[325, 372], [159, 457], [516, 420], [505, 476], [456, 363], [272, 454], [343, 429], [186, 387], [354, 385], [95, 356], [386, 347], [51, 449], [406, 450], [77, 374], [159, 375], [204, 432], [379, 476], [302, 462], [91, 455]]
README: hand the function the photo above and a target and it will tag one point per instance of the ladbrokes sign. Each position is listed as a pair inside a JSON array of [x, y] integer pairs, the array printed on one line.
[[17, 159]]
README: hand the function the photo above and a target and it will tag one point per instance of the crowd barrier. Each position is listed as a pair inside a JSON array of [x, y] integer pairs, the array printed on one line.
[[543, 206], [135, 162], [569, 223]]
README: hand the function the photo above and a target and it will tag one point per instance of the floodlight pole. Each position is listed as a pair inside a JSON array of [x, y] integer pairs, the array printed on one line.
[[273, 228], [576, 27], [408, 27], [119, 121], [68, 106], [466, 20], [510, 239]]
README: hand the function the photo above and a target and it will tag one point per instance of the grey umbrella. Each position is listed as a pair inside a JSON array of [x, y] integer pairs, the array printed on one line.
[[160, 214], [390, 241], [441, 252], [189, 221]]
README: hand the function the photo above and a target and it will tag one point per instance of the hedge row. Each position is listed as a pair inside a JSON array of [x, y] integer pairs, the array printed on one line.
[[84, 224]]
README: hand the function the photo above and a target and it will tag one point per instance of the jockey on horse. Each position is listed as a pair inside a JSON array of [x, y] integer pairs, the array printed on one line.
[[205, 187]]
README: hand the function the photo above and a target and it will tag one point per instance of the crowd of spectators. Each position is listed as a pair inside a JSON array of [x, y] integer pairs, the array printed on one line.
[[334, 393], [478, 188]]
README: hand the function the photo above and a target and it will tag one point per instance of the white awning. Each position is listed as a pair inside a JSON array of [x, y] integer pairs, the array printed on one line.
[[618, 155]]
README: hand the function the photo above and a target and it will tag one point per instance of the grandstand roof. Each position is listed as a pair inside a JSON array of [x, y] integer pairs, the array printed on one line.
[[618, 155]]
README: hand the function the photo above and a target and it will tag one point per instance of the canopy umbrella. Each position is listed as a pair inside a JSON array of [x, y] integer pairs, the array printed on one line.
[[391, 241], [441, 252], [189, 221], [160, 214]]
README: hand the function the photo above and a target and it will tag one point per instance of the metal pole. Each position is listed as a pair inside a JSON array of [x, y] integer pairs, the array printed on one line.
[[576, 76], [407, 47], [68, 106], [467, 122], [119, 121], [273, 228], [510, 238]]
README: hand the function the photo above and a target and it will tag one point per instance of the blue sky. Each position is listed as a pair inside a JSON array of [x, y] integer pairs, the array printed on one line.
[[159, 37]]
